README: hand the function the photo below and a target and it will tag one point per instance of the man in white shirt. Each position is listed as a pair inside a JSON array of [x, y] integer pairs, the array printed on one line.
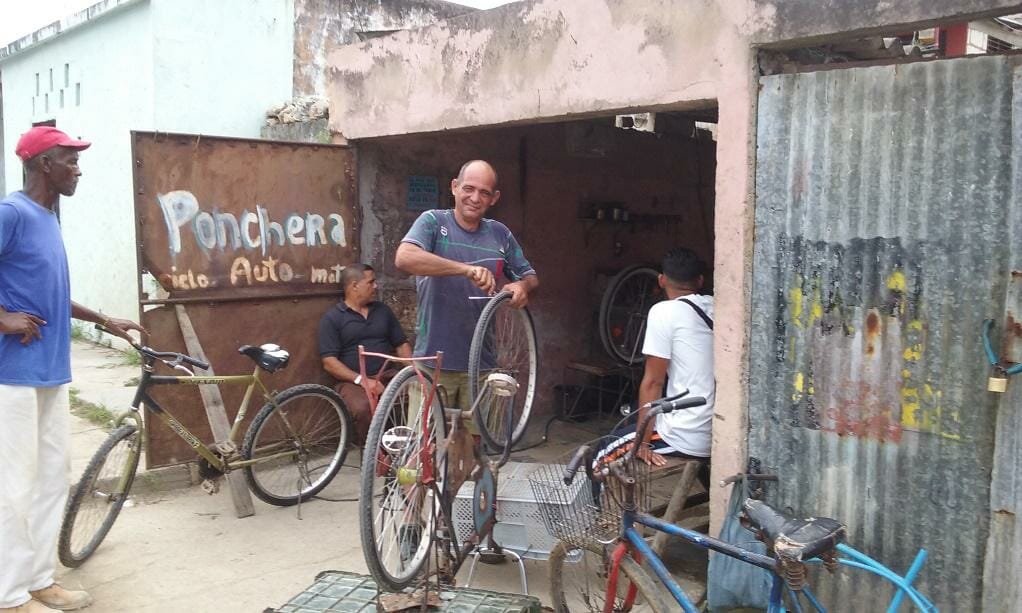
[[679, 351]]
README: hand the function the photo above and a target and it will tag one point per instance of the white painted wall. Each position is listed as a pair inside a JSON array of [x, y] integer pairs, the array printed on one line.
[[110, 59], [168, 65], [218, 66]]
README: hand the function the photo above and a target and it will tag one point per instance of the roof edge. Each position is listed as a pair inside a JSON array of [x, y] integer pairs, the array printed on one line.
[[63, 26]]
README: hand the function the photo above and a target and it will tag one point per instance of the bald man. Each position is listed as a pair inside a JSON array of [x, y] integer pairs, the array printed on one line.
[[457, 254]]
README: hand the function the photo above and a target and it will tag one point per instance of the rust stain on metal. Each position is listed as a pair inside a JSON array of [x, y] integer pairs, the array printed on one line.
[[221, 217], [222, 328], [252, 236], [872, 331]]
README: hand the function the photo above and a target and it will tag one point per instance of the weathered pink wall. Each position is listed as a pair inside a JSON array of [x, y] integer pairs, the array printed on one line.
[[545, 60], [323, 25]]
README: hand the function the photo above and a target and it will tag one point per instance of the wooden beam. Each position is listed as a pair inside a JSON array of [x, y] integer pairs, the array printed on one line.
[[215, 413]]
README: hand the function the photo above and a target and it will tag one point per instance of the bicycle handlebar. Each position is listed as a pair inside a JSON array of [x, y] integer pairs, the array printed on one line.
[[582, 455], [667, 405], [162, 355], [174, 356]]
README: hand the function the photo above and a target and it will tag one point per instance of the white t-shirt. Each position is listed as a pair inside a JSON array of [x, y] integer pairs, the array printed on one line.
[[675, 332]]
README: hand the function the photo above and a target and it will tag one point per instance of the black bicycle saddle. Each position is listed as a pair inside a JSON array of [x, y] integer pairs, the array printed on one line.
[[790, 537], [269, 357]]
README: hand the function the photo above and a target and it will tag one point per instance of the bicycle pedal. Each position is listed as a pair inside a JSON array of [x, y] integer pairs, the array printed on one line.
[[211, 486]]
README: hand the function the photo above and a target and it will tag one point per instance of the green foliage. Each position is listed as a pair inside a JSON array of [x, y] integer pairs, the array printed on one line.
[[78, 331], [131, 358], [94, 413]]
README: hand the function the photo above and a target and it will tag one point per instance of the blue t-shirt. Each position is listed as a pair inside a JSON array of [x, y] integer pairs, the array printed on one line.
[[447, 316], [34, 280]]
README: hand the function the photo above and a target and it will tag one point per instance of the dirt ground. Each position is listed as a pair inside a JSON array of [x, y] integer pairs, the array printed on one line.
[[176, 549]]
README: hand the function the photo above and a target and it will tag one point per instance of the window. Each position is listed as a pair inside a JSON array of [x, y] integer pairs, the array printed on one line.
[[61, 98], [51, 79], [46, 103], [67, 75], [37, 83], [78, 94]]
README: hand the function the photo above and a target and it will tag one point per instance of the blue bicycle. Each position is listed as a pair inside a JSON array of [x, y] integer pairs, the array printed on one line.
[[598, 521]]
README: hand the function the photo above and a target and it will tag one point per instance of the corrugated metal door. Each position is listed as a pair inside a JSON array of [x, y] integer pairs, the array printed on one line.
[[883, 239]]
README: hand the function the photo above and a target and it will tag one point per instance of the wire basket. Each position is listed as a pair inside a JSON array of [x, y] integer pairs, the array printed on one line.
[[585, 511]]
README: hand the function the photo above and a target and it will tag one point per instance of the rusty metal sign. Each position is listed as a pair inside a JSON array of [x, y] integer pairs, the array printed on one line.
[[224, 218], [251, 236]]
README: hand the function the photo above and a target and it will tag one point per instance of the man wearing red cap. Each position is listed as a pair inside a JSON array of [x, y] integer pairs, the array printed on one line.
[[35, 369]]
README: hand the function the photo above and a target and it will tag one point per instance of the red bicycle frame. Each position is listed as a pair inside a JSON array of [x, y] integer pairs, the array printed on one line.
[[426, 455]]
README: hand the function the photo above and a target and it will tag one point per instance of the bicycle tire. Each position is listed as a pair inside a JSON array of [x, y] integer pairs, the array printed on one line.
[[282, 426], [77, 541], [625, 345], [380, 479], [561, 586], [498, 319]]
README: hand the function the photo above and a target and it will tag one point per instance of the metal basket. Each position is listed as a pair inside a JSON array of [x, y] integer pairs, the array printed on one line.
[[584, 511]]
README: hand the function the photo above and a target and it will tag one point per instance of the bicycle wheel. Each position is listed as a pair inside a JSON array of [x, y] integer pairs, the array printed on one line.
[[504, 341], [99, 495], [578, 582], [397, 511], [304, 437], [623, 311]]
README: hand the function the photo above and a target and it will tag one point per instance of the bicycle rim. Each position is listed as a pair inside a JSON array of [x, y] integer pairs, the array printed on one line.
[[398, 511], [99, 496], [304, 435], [504, 342], [579, 582], [623, 312]]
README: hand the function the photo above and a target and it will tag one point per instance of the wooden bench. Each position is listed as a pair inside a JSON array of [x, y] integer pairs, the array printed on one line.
[[687, 471]]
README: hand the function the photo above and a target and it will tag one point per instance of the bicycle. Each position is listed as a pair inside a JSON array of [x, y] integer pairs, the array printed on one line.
[[405, 501], [623, 310], [294, 447], [603, 525]]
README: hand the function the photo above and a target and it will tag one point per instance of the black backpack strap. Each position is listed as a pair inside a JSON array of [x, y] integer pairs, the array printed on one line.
[[701, 313]]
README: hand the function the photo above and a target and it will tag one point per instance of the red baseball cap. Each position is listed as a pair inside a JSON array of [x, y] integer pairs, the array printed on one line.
[[41, 138]]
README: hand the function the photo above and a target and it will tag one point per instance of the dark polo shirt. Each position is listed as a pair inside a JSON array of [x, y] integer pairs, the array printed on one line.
[[342, 330]]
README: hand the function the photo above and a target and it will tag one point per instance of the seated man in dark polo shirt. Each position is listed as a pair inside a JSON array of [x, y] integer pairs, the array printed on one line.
[[359, 319]]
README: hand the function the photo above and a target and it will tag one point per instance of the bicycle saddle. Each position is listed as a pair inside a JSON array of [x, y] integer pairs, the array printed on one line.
[[269, 357], [790, 537]]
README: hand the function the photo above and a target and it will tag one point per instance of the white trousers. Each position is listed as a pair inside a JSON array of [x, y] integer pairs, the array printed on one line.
[[35, 460]]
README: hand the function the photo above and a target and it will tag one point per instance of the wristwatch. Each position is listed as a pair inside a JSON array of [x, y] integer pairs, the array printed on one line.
[[358, 380]]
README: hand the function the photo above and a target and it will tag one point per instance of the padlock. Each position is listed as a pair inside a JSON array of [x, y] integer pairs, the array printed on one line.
[[997, 383]]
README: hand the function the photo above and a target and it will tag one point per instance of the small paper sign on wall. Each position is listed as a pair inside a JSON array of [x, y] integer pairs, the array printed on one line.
[[423, 193]]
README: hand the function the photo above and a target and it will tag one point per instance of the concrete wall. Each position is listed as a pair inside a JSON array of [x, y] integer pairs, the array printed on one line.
[[217, 66], [546, 184], [545, 60], [108, 92], [165, 65], [323, 25], [313, 131]]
